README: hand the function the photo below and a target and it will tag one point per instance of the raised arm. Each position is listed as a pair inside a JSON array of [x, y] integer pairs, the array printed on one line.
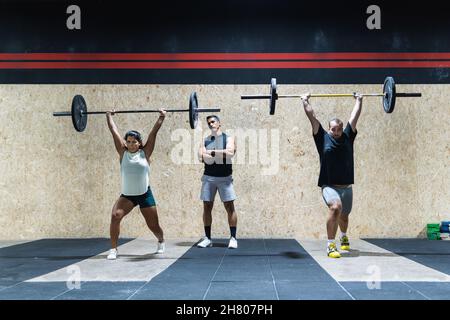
[[356, 112], [150, 144], [118, 141], [310, 113]]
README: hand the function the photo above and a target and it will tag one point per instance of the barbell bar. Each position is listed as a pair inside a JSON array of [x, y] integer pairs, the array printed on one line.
[[389, 95], [79, 112]]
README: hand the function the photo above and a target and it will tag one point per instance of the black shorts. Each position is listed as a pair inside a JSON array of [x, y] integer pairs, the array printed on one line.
[[144, 200]]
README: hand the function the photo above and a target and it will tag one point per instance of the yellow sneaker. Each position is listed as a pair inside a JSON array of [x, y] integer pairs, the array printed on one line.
[[332, 251], [345, 244]]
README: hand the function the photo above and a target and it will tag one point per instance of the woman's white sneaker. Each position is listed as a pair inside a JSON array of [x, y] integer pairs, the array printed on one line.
[[161, 247], [112, 254]]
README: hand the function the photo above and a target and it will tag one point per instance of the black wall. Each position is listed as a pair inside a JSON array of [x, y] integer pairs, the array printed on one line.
[[224, 27]]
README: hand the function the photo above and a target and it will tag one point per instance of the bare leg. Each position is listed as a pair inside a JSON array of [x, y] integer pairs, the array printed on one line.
[[332, 222], [232, 216], [151, 218], [121, 208], [343, 222], [207, 216]]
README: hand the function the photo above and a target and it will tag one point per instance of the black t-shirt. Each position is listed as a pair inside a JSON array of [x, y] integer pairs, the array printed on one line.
[[336, 157], [223, 168]]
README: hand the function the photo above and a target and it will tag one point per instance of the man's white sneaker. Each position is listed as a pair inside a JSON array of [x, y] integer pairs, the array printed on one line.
[[161, 247], [233, 243], [205, 242], [112, 254]]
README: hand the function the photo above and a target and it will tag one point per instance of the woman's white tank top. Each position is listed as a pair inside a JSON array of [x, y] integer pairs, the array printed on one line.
[[134, 169]]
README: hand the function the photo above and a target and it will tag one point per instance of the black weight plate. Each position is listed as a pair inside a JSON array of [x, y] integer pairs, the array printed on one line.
[[389, 95], [273, 95], [193, 114], [79, 115]]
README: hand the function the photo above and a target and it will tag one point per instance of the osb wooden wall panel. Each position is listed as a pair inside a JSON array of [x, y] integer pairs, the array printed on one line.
[[56, 182]]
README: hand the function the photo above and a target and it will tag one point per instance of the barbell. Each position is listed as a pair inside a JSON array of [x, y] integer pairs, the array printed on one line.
[[389, 95], [79, 112]]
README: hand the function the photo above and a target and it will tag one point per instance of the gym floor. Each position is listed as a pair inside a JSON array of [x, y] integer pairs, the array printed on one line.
[[260, 269]]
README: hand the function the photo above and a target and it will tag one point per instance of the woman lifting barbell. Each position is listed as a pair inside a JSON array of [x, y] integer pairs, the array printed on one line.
[[134, 167]]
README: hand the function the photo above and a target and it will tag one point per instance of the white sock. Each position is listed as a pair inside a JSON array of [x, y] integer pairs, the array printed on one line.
[[343, 234], [330, 241]]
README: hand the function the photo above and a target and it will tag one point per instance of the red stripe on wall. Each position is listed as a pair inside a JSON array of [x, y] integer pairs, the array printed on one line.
[[225, 65], [226, 56]]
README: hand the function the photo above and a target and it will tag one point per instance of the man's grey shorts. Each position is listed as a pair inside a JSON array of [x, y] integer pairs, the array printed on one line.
[[343, 195], [210, 185]]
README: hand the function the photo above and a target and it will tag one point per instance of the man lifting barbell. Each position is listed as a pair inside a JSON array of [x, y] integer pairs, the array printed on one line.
[[336, 152], [336, 177], [134, 167]]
